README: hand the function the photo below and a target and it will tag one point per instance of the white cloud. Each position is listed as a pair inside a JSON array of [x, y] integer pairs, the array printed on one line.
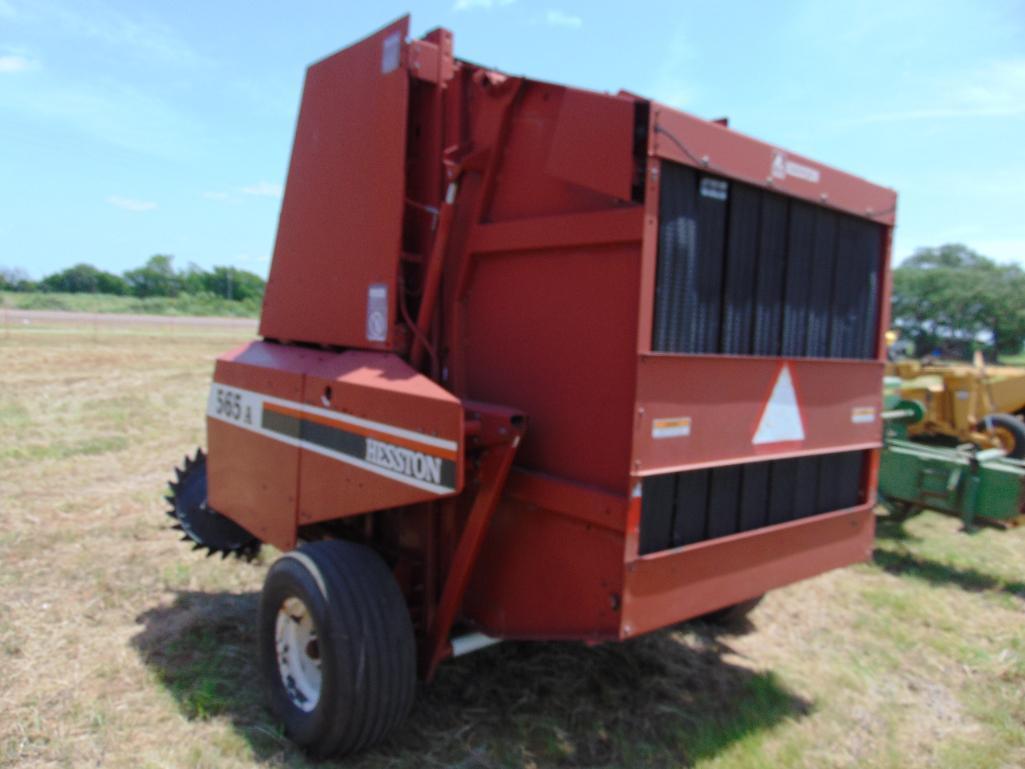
[[112, 112], [14, 63], [140, 33], [466, 5], [130, 204], [1000, 249], [675, 76], [557, 18], [251, 259], [996, 90], [263, 189]]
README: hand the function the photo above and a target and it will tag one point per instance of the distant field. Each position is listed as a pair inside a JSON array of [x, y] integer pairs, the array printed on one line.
[[119, 647], [179, 305]]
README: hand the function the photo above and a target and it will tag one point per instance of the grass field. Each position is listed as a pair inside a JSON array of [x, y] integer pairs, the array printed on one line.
[[119, 647], [185, 304]]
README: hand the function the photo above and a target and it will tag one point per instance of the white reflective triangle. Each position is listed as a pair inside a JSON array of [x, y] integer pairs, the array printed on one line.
[[781, 419]]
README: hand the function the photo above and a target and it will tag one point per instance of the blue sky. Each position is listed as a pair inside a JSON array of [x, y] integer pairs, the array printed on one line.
[[128, 129]]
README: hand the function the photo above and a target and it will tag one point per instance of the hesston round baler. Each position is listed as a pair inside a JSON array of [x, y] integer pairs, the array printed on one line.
[[535, 363]]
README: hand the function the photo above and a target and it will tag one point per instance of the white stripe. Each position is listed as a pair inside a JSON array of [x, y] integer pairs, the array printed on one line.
[[399, 432], [255, 401]]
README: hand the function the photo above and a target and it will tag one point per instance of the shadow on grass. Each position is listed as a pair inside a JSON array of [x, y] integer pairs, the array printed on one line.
[[891, 526], [667, 698], [938, 573]]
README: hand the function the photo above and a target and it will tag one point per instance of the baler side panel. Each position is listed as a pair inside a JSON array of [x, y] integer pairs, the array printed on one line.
[[543, 575], [723, 398], [555, 276], [538, 179], [385, 393], [672, 585], [590, 141], [298, 436], [565, 318], [340, 228], [253, 478]]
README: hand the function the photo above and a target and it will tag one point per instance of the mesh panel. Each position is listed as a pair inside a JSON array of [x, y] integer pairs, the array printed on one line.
[[745, 271], [696, 505]]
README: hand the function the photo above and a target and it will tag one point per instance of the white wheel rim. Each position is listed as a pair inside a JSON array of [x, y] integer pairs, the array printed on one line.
[[298, 652]]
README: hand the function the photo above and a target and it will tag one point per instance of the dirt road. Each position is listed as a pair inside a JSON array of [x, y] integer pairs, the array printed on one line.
[[23, 317]]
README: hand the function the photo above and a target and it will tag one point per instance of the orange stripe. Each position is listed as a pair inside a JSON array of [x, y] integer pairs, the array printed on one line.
[[367, 432]]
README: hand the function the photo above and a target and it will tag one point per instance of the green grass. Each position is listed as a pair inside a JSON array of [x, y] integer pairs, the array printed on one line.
[[668, 699], [185, 304], [120, 647]]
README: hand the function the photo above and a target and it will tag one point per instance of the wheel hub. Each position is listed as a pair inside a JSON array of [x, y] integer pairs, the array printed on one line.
[[298, 654]]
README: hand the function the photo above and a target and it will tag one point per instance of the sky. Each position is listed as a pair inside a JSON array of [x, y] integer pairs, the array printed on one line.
[[128, 129]]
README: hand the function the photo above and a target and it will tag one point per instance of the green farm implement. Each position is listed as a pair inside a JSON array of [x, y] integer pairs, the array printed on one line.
[[977, 485]]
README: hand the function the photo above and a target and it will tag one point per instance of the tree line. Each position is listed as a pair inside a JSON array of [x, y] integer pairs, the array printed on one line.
[[157, 277]]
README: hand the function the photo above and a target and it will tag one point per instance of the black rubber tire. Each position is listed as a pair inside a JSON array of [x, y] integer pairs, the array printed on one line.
[[1012, 425], [731, 615], [366, 642]]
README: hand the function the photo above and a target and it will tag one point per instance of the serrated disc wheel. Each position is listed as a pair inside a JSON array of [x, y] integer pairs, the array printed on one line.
[[198, 522]]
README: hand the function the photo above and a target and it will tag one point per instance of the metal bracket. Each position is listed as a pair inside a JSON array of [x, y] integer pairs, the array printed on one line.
[[431, 59], [497, 437]]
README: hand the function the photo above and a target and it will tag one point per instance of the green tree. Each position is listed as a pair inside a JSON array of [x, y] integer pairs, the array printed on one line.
[[15, 279], [84, 279], [232, 283], [953, 299], [194, 279], [156, 278]]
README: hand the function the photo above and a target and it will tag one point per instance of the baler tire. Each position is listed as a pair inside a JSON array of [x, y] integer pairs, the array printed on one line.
[[1011, 426], [731, 615], [363, 647]]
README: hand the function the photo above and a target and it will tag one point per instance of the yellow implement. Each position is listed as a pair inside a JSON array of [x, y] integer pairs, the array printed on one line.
[[970, 403]]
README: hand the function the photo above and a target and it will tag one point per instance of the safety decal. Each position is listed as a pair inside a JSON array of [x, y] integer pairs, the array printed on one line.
[[377, 313], [781, 416], [863, 415], [717, 189], [675, 427], [391, 48], [423, 461]]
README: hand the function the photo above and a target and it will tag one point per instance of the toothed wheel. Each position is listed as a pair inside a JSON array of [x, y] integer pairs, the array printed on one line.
[[201, 524]]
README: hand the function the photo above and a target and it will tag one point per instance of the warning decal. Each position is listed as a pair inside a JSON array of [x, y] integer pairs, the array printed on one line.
[[863, 415], [676, 427], [781, 416], [377, 313]]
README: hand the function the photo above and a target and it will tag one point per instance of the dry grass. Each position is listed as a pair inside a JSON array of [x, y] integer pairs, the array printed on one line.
[[119, 647]]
